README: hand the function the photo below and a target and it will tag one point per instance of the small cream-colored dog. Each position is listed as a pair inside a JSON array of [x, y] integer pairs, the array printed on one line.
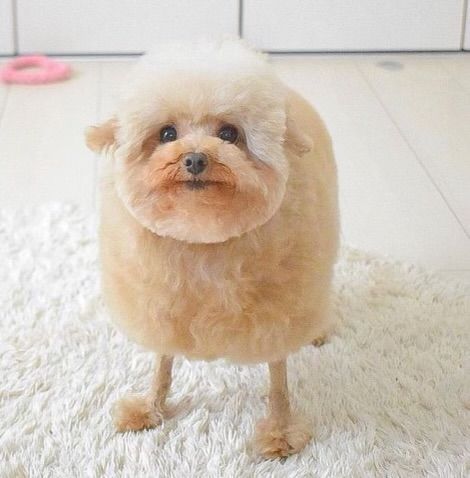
[[219, 225]]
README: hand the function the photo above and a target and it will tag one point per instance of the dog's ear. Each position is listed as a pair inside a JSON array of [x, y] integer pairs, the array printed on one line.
[[295, 139], [102, 136]]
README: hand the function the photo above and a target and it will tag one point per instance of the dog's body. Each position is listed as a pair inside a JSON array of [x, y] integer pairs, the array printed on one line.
[[255, 296]]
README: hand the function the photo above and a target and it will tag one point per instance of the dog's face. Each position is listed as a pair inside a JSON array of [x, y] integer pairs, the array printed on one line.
[[199, 159]]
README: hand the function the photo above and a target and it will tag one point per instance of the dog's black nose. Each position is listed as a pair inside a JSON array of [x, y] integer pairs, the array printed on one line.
[[195, 162]]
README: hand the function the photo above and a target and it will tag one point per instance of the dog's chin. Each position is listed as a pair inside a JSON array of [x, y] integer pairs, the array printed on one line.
[[202, 211], [207, 231]]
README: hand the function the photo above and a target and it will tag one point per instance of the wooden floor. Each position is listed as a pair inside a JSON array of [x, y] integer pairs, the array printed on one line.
[[400, 126]]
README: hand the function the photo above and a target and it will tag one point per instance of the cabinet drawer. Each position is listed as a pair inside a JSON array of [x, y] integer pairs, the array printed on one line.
[[466, 42], [6, 28], [346, 25], [119, 26]]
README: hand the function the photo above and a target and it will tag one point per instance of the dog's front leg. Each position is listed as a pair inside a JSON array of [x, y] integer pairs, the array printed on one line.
[[137, 412], [280, 433]]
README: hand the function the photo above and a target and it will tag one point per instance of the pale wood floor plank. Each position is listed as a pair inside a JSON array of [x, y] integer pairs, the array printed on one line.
[[388, 203], [432, 111], [42, 151]]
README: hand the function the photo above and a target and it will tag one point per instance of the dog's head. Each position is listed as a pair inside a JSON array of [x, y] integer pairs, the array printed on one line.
[[198, 144]]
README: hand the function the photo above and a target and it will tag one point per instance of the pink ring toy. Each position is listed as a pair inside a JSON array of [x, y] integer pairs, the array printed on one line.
[[34, 70]]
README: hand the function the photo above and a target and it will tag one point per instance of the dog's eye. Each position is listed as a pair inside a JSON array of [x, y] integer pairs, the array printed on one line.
[[228, 133], [167, 134]]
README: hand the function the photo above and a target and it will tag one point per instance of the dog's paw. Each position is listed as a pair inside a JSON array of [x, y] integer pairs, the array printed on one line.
[[133, 413], [274, 441], [320, 340]]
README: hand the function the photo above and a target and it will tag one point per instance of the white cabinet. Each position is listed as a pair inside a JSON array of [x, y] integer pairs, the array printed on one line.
[[466, 41], [354, 25], [119, 26], [133, 26], [6, 27]]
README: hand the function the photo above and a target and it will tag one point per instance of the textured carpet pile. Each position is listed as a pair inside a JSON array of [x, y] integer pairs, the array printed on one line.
[[388, 396]]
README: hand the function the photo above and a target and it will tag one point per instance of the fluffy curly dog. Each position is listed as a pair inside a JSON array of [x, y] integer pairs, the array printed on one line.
[[219, 224]]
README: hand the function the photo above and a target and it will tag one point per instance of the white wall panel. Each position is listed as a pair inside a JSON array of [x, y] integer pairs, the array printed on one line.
[[119, 26], [6, 28], [347, 25]]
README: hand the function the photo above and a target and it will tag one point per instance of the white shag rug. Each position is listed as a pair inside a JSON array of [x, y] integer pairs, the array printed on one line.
[[389, 394]]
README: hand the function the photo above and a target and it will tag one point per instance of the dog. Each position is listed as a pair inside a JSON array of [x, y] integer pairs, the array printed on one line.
[[219, 223]]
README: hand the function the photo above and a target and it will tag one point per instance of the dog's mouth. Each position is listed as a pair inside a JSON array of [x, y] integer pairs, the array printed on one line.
[[198, 184]]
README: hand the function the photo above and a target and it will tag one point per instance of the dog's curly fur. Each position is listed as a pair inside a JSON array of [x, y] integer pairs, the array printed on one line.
[[240, 268]]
